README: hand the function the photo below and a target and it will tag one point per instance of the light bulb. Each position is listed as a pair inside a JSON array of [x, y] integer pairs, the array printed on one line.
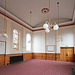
[[47, 30], [45, 26], [56, 27]]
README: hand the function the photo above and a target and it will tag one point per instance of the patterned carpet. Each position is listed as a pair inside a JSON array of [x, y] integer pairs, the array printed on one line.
[[38, 67]]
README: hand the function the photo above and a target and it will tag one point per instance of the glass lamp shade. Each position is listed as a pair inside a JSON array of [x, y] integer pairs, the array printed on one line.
[[56, 27], [45, 26], [47, 30], [5, 35]]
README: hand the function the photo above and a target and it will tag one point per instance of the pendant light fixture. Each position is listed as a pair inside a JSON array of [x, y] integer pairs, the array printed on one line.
[[49, 26], [30, 17], [30, 25], [4, 34]]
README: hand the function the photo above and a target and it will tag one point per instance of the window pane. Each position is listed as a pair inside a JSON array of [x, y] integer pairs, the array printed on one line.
[[15, 39]]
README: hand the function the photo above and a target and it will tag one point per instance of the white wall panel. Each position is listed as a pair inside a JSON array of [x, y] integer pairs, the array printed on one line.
[[2, 47], [2, 27], [51, 38], [39, 42], [67, 37]]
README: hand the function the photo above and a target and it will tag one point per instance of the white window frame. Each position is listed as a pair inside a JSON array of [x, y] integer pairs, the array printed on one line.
[[16, 49]]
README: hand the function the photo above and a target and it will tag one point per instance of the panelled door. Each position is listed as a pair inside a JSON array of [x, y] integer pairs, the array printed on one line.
[[66, 53]]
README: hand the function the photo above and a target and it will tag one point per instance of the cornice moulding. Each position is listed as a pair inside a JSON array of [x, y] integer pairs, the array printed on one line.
[[12, 17]]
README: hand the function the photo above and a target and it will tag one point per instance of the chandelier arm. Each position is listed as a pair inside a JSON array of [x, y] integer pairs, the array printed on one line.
[[49, 19], [49, 7], [5, 18], [53, 23], [4, 34], [30, 17], [58, 11]]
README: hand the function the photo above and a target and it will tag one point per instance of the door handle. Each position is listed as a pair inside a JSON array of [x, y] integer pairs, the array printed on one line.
[[67, 60]]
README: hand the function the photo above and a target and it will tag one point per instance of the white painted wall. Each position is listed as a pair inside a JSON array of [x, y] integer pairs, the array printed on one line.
[[2, 27], [39, 42], [51, 38], [67, 37], [2, 47], [1, 24], [2, 44], [40, 38], [10, 26]]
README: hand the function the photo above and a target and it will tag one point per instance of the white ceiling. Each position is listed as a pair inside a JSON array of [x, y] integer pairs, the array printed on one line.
[[21, 9]]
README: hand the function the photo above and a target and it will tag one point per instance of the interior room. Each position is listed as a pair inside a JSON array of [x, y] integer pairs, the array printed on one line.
[[37, 37]]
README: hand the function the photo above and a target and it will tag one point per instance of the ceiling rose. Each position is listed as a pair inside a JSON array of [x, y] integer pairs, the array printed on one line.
[[45, 10]]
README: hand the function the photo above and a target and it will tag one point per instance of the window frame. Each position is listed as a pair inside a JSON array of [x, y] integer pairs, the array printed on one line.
[[16, 49]]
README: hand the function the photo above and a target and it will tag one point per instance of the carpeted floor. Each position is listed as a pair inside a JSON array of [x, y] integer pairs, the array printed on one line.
[[38, 67]]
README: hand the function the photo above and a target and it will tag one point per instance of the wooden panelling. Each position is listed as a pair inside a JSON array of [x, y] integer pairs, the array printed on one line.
[[44, 56], [47, 56], [58, 57], [52, 56], [27, 56], [66, 53], [39, 56], [74, 58], [1, 59]]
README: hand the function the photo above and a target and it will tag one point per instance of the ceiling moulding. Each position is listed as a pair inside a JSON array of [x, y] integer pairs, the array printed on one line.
[[41, 28], [12, 17]]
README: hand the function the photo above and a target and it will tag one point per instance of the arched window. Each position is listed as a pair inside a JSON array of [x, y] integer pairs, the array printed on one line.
[[15, 39], [28, 42]]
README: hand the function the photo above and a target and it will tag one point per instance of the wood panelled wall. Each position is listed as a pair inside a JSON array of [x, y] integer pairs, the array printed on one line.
[[66, 54], [53, 56], [6, 60], [27, 56], [74, 58], [1, 59], [39, 56], [46, 56]]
